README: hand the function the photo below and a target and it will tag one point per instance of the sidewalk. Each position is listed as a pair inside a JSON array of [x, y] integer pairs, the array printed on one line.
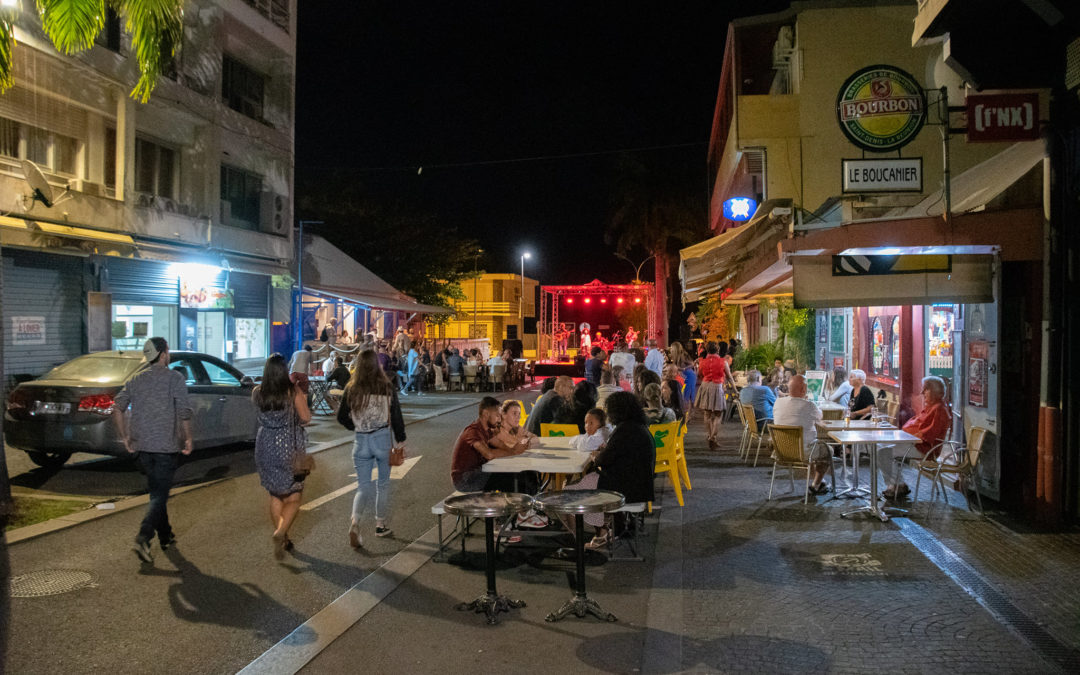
[[734, 583]]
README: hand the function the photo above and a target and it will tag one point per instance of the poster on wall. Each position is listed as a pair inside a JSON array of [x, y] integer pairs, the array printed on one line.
[[837, 339], [978, 356], [27, 330], [815, 384], [194, 296], [822, 327]]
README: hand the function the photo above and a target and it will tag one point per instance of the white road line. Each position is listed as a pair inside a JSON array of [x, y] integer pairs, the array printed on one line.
[[396, 473], [298, 648]]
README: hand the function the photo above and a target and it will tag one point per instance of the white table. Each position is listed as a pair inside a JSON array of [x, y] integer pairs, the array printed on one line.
[[826, 426], [552, 454], [872, 437]]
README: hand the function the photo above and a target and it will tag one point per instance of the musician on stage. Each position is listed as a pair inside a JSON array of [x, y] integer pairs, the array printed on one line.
[[561, 336], [631, 336], [602, 342], [585, 345]]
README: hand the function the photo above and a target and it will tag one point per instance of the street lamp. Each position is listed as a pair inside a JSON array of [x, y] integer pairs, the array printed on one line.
[[637, 268], [521, 302], [476, 256], [300, 283]]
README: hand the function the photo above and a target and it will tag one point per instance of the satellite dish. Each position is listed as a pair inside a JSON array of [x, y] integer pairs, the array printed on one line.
[[41, 190]]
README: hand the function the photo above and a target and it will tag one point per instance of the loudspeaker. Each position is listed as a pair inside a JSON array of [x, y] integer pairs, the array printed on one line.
[[514, 346], [530, 324]]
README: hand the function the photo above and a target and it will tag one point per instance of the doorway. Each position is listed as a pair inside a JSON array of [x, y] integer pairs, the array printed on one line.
[[211, 333]]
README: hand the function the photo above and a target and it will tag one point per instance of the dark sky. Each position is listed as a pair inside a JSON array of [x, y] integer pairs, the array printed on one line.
[[386, 87]]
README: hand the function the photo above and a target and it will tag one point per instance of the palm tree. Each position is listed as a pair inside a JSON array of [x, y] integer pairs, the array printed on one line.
[[156, 27], [656, 208]]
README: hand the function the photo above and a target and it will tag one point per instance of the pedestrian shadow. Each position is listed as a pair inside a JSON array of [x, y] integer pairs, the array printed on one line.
[[202, 598]]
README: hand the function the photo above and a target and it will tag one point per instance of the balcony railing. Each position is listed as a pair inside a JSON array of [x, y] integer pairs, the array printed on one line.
[[275, 10]]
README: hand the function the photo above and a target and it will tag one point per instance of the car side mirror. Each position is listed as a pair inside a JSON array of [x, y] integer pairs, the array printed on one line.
[[247, 381]]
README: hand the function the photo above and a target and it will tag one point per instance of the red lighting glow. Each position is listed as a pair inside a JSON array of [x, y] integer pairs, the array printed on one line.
[[637, 300], [603, 300], [588, 300], [569, 301], [620, 301]]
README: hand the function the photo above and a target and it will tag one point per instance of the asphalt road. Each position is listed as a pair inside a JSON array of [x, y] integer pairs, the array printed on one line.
[[219, 599]]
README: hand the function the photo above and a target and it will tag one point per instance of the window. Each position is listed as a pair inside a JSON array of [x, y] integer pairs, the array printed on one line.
[[219, 375], [155, 169], [110, 157], [241, 190], [109, 37], [51, 151], [242, 88]]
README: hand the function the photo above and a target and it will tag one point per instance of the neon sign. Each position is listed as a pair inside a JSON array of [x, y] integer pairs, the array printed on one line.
[[739, 208]]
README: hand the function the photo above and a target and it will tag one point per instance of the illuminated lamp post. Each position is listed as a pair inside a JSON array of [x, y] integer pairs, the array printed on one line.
[[476, 257], [299, 334], [521, 301]]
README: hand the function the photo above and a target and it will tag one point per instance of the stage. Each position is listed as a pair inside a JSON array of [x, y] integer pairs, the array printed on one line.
[[548, 368]]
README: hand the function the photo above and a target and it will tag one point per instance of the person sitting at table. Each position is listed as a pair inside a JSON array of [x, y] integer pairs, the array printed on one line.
[[840, 388], [622, 357], [777, 378], [624, 464], [759, 396], [671, 396], [550, 405], [594, 365], [511, 430], [620, 379], [798, 411], [931, 426], [473, 448], [498, 359], [596, 432], [607, 386], [861, 400], [581, 402], [455, 365], [655, 411]]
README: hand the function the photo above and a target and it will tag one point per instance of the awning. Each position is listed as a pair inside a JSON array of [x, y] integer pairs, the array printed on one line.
[[709, 265], [329, 271], [65, 230]]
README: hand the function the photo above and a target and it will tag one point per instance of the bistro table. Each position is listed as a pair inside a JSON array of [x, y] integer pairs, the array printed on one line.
[[317, 388], [872, 437], [552, 454], [577, 503], [826, 426], [489, 506]]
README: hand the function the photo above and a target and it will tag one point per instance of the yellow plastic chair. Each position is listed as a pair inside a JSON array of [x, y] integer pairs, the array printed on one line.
[[751, 428], [680, 454], [559, 430], [788, 453], [665, 439]]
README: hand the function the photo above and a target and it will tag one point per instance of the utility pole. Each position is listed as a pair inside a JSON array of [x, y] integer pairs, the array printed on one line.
[[476, 257], [299, 331]]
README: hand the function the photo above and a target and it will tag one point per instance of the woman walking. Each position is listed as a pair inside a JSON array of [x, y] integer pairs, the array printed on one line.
[[710, 394], [370, 408], [283, 411]]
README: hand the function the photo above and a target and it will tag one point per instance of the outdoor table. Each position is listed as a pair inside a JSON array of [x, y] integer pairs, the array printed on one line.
[[872, 437], [489, 506], [317, 387], [552, 455], [826, 426], [577, 503]]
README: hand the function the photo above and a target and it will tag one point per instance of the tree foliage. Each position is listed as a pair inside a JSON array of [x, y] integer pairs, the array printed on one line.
[[407, 247], [156, 28]]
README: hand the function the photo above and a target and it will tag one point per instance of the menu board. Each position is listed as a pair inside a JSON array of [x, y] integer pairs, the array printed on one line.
[[815, 384]]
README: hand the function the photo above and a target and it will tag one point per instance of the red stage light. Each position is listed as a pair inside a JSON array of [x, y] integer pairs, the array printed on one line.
[[569, 301], [620, 301], [588, 300], [637, 300], [603, 300]]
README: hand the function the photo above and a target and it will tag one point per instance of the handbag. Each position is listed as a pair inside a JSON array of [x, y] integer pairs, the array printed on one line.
[[302, 463], [397, 455]]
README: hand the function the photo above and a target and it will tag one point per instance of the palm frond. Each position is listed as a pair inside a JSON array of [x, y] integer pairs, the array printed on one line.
[[156, 27], [7, 43], [72, 25]]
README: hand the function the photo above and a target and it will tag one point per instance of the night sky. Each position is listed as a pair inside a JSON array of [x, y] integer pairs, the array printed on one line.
[[387, 87]]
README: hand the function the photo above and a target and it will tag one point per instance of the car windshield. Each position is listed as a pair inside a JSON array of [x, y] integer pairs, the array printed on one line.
[[100, 369]]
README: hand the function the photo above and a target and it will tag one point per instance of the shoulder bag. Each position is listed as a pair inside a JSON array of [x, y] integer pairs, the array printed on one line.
[[397, 452], [302, 463]]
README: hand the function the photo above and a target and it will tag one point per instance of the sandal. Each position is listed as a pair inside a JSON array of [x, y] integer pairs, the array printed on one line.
[[599, 542]]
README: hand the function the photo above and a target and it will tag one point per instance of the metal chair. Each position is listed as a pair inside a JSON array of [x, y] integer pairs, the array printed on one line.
[[470, 376], [744, 442], [788, 453], [966, 467], [752, 428], [498, 377]]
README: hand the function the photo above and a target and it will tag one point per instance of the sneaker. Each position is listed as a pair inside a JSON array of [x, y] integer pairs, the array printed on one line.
[[355, 540], [142, 549], [167, 542], [383, 531], [532, 521]]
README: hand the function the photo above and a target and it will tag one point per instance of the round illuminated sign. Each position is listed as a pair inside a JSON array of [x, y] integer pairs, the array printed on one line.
[[881, 108], [739, 208]]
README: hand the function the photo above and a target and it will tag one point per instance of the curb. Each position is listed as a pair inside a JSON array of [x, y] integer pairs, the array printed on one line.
[[87, 515]]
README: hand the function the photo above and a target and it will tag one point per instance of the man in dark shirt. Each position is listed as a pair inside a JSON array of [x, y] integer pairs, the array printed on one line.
[[473, 448], [594, 366], [550, 404], [455, 365]]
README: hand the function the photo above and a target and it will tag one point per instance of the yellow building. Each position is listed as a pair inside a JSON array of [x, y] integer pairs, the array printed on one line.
[[492, 310]]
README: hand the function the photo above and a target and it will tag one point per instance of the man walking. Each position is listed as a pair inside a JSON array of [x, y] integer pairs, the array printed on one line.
[[159, 402], [300, 368], [654, 360]]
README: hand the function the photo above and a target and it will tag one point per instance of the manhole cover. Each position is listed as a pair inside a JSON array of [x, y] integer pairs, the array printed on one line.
[[49, 582]]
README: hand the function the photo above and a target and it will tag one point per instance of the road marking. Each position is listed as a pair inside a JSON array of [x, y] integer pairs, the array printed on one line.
[[396, 473], [299, 647]]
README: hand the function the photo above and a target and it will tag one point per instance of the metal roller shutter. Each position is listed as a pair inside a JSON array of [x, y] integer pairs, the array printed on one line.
[[43, 112], [47, 286], [139, 282], [251, 295]]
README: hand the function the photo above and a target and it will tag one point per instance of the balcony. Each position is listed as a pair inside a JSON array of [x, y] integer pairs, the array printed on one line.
[[277, 11]]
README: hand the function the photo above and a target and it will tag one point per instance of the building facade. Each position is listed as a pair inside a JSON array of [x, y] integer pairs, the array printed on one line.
[[494, 309], [169, 218]]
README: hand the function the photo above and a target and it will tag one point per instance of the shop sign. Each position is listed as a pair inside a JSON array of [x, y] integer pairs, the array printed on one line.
[[978, 353], [995, 118], [200, 297], [878, 265], [739, 209], [881, 108], [882, 175], [27, 330]]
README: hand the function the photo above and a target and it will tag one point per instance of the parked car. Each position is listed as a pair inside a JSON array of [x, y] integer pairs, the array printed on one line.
[[70, 408]]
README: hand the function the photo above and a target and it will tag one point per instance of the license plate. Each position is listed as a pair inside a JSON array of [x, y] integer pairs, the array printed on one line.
[[51, 408]]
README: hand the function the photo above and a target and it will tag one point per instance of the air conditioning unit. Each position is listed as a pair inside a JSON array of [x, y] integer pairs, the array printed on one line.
[[226, 212], [272, 216]]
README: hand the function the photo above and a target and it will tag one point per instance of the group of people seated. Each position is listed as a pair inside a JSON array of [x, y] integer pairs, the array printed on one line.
[[615, 433]]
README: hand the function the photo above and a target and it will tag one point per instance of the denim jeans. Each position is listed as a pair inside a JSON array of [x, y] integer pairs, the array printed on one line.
[[159, 468], [372, 448]]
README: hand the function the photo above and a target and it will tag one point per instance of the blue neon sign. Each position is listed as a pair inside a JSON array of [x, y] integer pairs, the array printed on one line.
[[739, 208]]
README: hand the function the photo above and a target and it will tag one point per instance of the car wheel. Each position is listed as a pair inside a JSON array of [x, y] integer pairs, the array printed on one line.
[[49, 460]]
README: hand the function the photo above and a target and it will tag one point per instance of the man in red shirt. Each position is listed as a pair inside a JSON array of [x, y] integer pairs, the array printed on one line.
[[931, 425], [473, 448]]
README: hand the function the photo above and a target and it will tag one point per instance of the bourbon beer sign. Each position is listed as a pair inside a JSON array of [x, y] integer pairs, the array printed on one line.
[[996, 118], [881, 108]]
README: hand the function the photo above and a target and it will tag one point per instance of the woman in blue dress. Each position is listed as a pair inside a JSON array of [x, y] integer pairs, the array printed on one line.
[[283, 412]]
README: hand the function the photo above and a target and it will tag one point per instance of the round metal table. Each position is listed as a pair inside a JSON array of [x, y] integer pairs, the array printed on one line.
[[577, 503], [489, 506]]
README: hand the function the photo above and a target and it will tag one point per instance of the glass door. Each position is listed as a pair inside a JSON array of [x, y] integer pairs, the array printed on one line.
[[211, 333]]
